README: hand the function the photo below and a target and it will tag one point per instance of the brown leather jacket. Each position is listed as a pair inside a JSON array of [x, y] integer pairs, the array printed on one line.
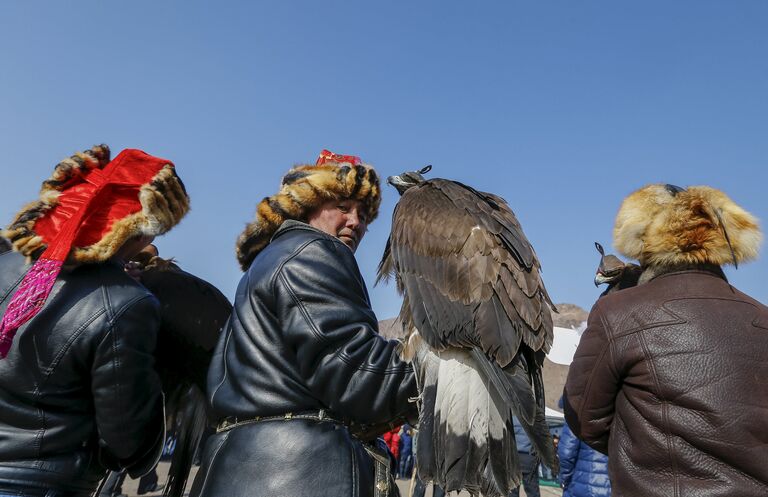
[[671, 381]]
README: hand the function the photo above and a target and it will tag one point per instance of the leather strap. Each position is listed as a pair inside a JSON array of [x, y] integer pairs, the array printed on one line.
[[320, 415]]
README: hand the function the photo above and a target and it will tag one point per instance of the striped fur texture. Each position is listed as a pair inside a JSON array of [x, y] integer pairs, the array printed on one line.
[[164, 202], [303, 189], [663, 225]]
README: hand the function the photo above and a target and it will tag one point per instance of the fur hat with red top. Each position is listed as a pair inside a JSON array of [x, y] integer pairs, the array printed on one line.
[[304, 188], [87, 210]]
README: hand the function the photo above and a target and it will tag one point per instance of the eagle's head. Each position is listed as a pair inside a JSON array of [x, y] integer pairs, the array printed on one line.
[[408, 179], [610, 268]]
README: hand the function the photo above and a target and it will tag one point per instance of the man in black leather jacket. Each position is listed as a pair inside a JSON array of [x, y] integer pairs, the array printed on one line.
[[301, 369], [78, 390]]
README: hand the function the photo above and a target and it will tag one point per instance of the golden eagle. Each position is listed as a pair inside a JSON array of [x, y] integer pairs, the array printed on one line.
[[614, 272], [478, 323], [192, 314]]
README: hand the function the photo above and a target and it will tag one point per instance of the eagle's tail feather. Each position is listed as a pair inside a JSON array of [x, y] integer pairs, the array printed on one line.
[[466, 439], [427, 365], [503, 469], [525, 397], [512, 383], [538, 432]]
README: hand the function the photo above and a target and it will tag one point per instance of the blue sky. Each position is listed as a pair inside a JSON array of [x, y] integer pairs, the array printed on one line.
[[561, 107]]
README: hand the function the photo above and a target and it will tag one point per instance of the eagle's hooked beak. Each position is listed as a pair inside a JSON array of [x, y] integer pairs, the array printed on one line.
[[599, 279], [400, 185]]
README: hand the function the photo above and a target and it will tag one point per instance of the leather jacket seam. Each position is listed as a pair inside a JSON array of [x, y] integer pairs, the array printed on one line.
[[305, 313], [40, 433], [72, 339], [110, 333], [212, 460], [606, 349], [353, 468], [588, 388], [107, 300], [288, 259], [677, 320], [127, 306], [302, 309], [300, 304], [664, 412], [13, 287], [364, 367], [312, 326], [224, 354]]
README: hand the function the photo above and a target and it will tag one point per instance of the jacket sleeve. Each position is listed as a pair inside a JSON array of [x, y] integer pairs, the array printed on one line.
[[126, 389], [568, 453], [329, 323], [592, 385]]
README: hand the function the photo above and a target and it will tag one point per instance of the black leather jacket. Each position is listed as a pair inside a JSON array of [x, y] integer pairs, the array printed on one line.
[[78, 391], [302, 337]]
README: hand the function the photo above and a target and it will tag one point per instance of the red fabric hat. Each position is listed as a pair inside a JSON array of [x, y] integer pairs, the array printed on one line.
[[87, 210], [328, 156]]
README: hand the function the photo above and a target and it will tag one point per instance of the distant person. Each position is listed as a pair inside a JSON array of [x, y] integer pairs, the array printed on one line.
[[546, 473], [529, 465], [406, 449], [669, 379], [392, 439], [583, 470]]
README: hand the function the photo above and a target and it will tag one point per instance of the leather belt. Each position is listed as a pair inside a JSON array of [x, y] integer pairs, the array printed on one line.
[[318, 415]]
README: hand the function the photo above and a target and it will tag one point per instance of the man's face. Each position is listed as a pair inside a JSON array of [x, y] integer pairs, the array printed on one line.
[[344, 219]]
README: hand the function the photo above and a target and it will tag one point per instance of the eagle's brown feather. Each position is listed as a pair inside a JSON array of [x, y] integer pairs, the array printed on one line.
[[463, 252]]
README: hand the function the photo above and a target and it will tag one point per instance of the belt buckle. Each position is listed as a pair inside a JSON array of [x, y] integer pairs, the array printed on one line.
[[226, 423]]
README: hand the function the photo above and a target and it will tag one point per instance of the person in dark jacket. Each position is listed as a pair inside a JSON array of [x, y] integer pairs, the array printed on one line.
[[301, 380], [406, 452], [78, 390], [669, 376], [583, 470]]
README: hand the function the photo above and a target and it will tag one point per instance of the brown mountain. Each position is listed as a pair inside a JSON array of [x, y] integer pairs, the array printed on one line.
[[569, 316]]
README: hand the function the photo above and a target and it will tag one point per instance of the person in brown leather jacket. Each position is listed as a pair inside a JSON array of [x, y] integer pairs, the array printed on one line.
[[671, 376]]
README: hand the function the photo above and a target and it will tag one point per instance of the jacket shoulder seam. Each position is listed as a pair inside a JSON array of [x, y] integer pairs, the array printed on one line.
[[288, 259], [72, 338]]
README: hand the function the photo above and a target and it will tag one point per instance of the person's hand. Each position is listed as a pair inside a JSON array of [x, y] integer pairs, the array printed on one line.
[[133, 269]]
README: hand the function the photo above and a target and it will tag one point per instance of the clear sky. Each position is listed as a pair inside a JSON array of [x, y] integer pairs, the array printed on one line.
[[561, 107]]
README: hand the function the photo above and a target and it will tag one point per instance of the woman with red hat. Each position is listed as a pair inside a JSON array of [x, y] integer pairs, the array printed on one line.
[[78, 391]]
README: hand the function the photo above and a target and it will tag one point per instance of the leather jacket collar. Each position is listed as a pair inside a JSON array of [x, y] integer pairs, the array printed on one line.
[[652, 272]]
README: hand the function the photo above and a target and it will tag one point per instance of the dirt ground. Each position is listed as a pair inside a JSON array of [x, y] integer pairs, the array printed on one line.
[[129, 487]]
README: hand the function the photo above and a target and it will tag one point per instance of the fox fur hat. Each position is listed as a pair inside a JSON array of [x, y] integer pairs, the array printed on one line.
[[665, 225], [304, 188], [160, 203]]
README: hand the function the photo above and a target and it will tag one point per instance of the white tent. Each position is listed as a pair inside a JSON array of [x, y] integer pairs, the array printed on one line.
[[551, 413]]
